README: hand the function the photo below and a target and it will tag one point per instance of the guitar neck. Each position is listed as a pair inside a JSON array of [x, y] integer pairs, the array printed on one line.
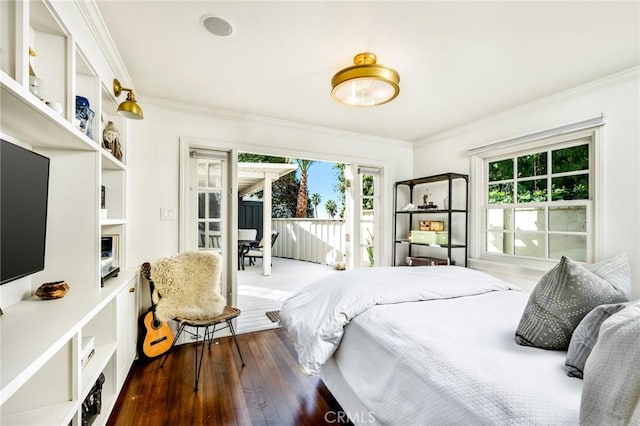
[[146, 271]]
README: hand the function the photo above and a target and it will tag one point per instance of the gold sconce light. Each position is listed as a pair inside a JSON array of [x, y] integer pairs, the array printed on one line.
[[129, 108], [366, 83]]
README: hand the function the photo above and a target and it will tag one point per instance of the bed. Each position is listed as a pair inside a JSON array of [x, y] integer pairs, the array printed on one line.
[[431, 345]]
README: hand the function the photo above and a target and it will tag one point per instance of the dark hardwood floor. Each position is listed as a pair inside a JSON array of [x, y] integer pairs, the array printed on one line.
[[270, 390]]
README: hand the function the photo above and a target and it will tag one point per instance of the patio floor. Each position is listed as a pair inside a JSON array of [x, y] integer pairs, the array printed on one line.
[[258, 294]]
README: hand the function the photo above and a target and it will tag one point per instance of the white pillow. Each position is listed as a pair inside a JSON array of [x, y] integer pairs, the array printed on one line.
[[611, 392]]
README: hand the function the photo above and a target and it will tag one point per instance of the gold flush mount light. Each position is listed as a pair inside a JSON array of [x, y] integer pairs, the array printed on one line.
[[129, 108], [366, 83]]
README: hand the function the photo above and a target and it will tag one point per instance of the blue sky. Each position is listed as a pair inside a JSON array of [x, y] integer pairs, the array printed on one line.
[[322, 179]]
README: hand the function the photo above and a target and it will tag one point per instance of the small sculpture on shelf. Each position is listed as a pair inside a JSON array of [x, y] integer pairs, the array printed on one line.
[[53, 290], [111, 140], [110, 135], [427, 205], [116, 149]]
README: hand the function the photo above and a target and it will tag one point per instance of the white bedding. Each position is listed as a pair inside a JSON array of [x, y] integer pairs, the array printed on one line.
[[454, 362], [447, 360], [315, 316]]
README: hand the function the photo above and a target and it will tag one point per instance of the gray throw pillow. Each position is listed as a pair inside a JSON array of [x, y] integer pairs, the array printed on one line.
[[611, 388], [585, 336], [564, 295]]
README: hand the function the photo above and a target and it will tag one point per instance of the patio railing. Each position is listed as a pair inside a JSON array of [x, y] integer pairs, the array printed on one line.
[[312, 240]]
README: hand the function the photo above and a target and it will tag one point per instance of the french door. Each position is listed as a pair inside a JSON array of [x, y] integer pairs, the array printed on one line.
[[206, 204], [368, 216], [363, 215]]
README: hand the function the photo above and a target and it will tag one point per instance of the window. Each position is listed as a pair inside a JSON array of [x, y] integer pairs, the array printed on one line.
[[210, 193], [538, 202]]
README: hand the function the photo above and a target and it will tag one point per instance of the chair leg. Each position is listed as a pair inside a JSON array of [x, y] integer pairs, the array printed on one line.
[[175, 339], [235, 339], [198, 365], [211, 336]]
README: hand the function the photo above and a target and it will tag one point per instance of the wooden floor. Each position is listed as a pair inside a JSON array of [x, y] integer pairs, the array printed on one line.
[[270, 390]]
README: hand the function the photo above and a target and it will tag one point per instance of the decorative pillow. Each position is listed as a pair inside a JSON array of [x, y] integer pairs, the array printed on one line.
[[564, 295], [615, 270], [585, 337], [611, 388]]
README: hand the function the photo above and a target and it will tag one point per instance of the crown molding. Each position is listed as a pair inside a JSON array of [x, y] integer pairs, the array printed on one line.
[[214, 112], [610, 80], [94, 20]]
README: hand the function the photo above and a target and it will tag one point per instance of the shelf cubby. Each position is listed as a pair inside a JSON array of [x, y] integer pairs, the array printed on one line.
[[49, 40], [49, 387], [8, 38], [109, 108], [87, 85]]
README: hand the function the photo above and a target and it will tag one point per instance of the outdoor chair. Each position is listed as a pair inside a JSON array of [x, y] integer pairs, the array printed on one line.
[[246, 238], [256, 251]]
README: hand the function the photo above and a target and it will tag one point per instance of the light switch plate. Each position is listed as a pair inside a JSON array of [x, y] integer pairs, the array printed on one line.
[[167, 214]]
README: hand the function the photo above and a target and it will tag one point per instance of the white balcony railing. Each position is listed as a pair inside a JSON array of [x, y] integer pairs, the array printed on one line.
[[313, 240]]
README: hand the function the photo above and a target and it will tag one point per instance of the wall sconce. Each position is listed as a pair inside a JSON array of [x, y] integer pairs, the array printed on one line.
[[129, 108]]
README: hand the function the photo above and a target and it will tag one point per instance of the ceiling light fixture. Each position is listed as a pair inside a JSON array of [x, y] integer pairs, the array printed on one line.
[[129, 108], [365, 83]]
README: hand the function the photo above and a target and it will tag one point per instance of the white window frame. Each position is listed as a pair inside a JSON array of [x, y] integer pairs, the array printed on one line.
[[376, 172], [595, 211], [222, 190]]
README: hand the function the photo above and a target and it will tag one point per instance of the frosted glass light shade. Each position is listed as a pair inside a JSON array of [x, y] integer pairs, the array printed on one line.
[[366, 83]]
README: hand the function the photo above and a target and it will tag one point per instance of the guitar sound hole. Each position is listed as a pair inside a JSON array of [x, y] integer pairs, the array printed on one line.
[[156, 323]]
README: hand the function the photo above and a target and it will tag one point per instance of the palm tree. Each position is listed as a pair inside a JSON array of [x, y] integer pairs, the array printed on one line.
[[315, 200], [331, 208], [303, 196]]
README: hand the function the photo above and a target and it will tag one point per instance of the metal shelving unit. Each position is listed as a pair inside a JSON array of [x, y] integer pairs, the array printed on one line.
[[449, 213]]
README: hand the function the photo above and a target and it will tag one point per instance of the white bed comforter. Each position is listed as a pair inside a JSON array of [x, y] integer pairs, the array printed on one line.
[[315, 317]]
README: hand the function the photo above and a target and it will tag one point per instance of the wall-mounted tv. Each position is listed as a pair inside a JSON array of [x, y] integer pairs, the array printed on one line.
[[24, 190]]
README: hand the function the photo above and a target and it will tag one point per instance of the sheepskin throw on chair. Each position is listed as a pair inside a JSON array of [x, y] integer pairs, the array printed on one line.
[[188, 286]]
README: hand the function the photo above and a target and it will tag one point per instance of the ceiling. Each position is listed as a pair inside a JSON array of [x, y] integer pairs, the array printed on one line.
[[458, 62]]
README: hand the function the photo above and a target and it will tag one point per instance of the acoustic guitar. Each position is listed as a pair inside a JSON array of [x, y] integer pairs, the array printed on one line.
[[155, 336]]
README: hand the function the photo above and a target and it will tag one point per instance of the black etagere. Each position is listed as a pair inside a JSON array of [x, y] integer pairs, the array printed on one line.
[[449, 212]]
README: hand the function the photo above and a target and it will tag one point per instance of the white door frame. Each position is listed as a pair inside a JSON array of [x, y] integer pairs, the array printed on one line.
[[229, 242]]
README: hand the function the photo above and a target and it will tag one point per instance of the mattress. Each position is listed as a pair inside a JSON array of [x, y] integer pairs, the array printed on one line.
[[450, 361]]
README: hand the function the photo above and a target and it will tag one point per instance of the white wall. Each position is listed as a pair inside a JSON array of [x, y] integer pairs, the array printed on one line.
[[617, 98], [153, 163]]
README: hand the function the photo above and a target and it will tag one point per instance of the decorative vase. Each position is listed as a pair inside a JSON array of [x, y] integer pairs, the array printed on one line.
[[84, 116], [110, 135]]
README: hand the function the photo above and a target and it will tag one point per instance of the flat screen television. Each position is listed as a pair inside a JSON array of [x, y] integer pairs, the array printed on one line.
[[24, 190]]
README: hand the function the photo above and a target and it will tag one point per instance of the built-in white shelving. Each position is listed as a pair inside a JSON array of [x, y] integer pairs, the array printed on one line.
[[42, 380]]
